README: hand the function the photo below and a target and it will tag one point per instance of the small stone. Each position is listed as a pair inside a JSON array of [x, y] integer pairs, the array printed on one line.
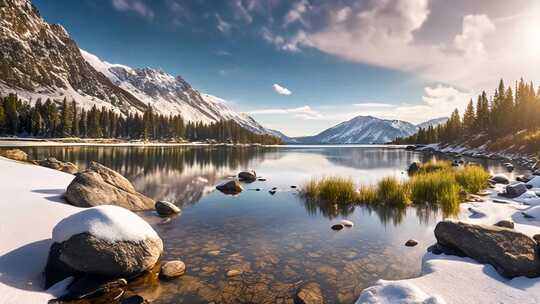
[[214, 252], [164, 208], [247, 176], [230, 187], [505, 224], [172, 269], [411, 243], [233, 273], [262, 179], [347, 223], [293, 187], [337, 227], [136, 299], [272, 192], [310, 294]]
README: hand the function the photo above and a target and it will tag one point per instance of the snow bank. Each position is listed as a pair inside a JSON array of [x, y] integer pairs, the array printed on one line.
[[30, 206], [106, 222], [451, 279], [534, 182]]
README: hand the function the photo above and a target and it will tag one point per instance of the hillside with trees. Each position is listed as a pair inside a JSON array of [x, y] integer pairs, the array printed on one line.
[[57, 119], [507, 120]]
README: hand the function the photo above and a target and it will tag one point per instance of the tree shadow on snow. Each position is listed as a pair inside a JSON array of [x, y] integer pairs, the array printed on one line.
[[23, 267], [56, 194]]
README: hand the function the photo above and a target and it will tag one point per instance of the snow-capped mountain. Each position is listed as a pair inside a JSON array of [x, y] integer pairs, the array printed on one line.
[[40, 60], [433, 122], [362, 130]]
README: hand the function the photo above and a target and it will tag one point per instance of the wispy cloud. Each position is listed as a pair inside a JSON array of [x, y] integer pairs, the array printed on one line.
[[223, 53], [372, 105], [296, 12], [136, 6], [222, 25], [281, 90], [305, 112]]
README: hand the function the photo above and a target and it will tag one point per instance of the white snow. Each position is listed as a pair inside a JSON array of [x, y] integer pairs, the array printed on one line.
[[534, 182], [451, 279], [30, 206], [107, 222]]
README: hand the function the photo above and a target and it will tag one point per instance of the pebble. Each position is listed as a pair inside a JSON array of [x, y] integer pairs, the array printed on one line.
[[337, 227], [347, 223], [411, 243], [233, 273], [172, 269]]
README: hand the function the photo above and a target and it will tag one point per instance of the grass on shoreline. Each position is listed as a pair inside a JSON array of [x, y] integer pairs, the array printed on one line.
[[434, 183]]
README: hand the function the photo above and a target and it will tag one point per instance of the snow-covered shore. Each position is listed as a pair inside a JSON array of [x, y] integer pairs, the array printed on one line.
[[30, 207], [451, 279]]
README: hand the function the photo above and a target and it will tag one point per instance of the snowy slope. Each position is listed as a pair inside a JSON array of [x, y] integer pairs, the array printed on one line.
[[171, 95], [362, 130], [433, 122]]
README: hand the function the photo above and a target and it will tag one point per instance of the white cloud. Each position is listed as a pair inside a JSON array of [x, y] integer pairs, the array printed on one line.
[[241, 12], [281, 90], [222, 26], [372, 105], [305, 112], [475, 28], [136, 6], [296, 12]]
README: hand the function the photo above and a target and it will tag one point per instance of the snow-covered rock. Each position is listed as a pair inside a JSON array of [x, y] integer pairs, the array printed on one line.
[[105, 240]]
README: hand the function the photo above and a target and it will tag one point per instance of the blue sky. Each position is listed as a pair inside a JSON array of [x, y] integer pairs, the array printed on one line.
[[405, 59]]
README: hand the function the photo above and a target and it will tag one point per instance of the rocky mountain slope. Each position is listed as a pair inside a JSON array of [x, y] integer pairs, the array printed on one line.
[[433, 122], [40, 60], [365, 130]]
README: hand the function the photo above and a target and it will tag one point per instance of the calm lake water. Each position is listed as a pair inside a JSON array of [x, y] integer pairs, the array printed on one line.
[[280, 242]]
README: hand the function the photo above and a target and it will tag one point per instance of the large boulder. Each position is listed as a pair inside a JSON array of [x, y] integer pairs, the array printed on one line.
[[230, 187], [512, 253], [164, 208], [247, 176], [515, 190], [107, 241], [53, 163], [99, 185], [15, 154]]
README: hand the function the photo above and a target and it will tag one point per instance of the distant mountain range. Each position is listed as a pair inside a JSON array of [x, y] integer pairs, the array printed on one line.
[[40, 60], [365, 130]]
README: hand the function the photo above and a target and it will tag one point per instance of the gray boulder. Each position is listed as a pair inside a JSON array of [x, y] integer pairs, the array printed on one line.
[[515, 190], [512, 253], [99, 185], [15, 154], [53, 163], [230, 187], [164, 208], [247, 176], [505, 224], [500, 179]]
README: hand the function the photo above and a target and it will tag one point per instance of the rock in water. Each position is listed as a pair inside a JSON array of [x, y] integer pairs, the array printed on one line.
[[90, 286], [500, 179], [108, 241], [512, 253], [172, 269], [230, 187], [515, 190], [15, 154], [347, 223], [411, 243], [99, 185], [309, 294], [247, 176], [53, 163], [233, 273], [164, 208], [337, 227]]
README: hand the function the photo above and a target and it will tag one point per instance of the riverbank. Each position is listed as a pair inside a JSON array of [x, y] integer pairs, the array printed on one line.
[[452, 279]]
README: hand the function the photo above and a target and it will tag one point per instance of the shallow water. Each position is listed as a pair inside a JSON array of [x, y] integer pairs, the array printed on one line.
[[280, 242]]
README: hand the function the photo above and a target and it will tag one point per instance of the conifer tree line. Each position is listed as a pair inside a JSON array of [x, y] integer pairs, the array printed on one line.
[[67, 119], [508, 111]]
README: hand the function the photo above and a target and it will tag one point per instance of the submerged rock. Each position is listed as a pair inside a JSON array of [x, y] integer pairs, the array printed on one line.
[[164, 208], [172, 269], [90, 286], [99, 185], [500, 179], [512, 253], [309, 294], [233, 273], [413, 168], [247, 176], [230, 187], [105, 241], [53, 163], [15, 154]]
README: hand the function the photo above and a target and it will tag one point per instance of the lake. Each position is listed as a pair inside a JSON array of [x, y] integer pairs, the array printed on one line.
[[280, 242]]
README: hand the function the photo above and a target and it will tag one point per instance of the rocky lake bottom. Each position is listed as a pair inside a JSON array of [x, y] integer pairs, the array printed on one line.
[[258, 247]]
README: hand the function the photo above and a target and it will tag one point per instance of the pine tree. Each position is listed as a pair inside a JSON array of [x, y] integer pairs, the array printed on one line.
[[12, 117], [75, 119], [2, 117], [65, 118], [469, 120]]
